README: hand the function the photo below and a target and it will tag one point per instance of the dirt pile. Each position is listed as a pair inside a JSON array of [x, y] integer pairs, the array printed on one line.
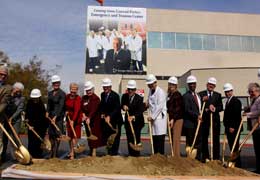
[[154, 165]]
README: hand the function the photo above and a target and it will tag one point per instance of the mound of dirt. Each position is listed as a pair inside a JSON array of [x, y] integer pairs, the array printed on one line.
[[155, 165]]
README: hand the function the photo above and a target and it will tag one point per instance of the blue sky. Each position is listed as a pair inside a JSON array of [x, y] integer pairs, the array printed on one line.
[[54, 30]]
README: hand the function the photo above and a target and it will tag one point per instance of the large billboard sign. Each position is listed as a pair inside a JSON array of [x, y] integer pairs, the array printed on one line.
[[116, 40]]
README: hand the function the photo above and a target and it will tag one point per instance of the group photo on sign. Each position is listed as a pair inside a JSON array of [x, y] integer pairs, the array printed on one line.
[[116, 40]]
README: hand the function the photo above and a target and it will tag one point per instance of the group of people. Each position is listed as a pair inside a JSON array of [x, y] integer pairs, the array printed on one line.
[[102, 116], [120, 53]]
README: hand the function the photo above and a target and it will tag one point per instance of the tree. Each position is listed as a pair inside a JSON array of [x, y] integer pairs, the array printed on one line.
[[32, 75]]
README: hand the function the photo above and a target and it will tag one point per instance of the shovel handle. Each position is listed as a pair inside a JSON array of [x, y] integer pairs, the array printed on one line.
[[249, 134], [32, 129], [236, 138], [132, 128], [72, 128], [224, 147], [211, 136], [14, 132], [8, 136], [170, 137], [53, 123]]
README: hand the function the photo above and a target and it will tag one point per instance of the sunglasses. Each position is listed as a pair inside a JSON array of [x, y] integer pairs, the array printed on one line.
[[128, 89]]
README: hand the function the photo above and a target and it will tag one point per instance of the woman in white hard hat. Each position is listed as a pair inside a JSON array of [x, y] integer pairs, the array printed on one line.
[[175, 110], [13, 112], [157, 113], [56, 112], [35, 113], [73, 110], [92, 116], [132, 103], [232, 118]]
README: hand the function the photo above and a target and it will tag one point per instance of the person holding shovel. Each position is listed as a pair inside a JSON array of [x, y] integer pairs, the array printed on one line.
[[92, 118], [55, 113], [253, 118], [35, 114], [5, 94], [13, 111], [132, 104], [192, 115], [73, 113], [157, 113], [232, 119], [213, 105], [111, 114], [175, 108]]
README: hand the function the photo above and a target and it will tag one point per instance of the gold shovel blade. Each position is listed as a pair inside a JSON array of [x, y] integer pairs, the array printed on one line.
[[64, 138], [22, 155], [110, 140], [80, 148], [92, 137], [136, 147]]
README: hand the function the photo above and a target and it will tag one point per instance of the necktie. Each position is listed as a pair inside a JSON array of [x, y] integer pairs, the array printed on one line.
[[196, 99], [107, 95]]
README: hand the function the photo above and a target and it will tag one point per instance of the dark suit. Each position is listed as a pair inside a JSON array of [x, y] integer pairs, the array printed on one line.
[[232, 119], [117, 63], [110, 106], [216, 101], [135, 108], [190, 117]]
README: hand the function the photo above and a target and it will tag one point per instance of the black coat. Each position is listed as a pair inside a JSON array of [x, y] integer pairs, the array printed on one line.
[[119, 63], [135, 108], [232, 114], [56, 104], [215, 100], [111, 107], [191, 111]]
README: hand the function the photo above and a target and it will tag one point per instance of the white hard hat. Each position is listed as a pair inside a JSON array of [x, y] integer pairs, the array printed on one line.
[[191, 79], [173, 80], [35, 93], [88, 85], [106, 82], [227, 87], [212, 80], [131, 84], [18, 85], [258, 73], [55, 78], [150, 79]]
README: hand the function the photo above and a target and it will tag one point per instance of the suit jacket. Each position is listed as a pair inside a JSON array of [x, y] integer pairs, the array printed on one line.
[[232, 114], [56, 104], [135, 108], [119, 63], [5, 95], [175, 106], [215, 100], [110, 106], [191, 111]]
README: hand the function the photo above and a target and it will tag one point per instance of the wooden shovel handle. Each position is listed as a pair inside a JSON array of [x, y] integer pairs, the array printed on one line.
[[72, 128], [32, 129], [53, 123], [14, 132], [170, 137], [236, 138], [132, 128], [249, 134], [8, 136], [211, 136]]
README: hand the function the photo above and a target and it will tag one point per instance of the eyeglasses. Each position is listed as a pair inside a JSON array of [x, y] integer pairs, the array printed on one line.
[[128, 89]]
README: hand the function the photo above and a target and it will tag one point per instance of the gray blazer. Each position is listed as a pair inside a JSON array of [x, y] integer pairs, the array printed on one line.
[[254, 112]]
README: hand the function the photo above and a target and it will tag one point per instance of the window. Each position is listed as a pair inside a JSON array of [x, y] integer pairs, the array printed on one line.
[[247, 43], [168, 41], [234, 43], [257, 44], [209, 42], [154, 40], [221, 42], [182, 41], [196, 41]]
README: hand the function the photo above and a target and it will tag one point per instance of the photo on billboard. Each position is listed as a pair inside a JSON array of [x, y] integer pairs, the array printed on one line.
[[116, 40]]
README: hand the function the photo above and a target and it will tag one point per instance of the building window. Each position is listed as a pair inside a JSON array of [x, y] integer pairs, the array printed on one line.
[[221, 43], [182, 41], [234, 43], [209, 42], [168, 40], [247, 43], [196, 41], [154, 40], [257, 44]]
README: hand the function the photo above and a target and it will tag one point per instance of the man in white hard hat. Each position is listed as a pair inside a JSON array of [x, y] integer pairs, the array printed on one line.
[[192, 106], [5, 94], [157, 113], [232, 118], [111, 113], [13, 112], [213, 104], [132, 104], [56, 112]]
